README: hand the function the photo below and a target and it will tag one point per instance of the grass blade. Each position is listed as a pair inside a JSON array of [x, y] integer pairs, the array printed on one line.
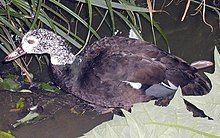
[[102, 4], [9, 25], [109, 5], [75, 16], [3, 3], [37, 13], [129, 12], [129, 24], [151, 19], [60, 32], [159, 29]]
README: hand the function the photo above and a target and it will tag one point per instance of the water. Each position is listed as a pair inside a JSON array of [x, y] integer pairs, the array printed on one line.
[[191, 40], [58, 123]]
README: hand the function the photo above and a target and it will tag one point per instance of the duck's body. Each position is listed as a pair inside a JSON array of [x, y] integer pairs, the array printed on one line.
[[102, 74], [118, 72]]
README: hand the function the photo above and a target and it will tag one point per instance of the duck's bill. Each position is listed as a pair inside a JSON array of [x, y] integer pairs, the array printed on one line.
[[15, 54]]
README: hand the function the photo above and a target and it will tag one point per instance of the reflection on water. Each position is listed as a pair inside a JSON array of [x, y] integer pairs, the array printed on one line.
[[191, 40]]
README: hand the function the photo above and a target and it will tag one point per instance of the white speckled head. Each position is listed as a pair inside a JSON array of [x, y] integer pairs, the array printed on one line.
[[29, 42], [41, 41]]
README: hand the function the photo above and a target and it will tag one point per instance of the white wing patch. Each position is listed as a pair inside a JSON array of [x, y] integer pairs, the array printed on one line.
[[170, 85], [135, 85], [138, 85]]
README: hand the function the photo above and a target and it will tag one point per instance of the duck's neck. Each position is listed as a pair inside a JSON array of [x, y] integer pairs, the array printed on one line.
[[67, 74], [62, 58]]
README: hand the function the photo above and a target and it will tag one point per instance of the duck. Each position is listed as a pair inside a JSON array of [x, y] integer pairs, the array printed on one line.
[[113, 72]]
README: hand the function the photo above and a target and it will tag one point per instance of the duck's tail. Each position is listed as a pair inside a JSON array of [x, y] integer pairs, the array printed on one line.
[[197, 86]]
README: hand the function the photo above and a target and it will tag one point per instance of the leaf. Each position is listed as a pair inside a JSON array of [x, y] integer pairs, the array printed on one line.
[[25, 91], [30, 116], [159, 29], [4, 134], [1, 80], [109, 5], [12, 76], [150, 7], [102, 4], [148, 120], [3, 3], [130, 13], [9, 84], [210, 103], [75, 15], [49, 88], [90, 12], [37, 13], [20, 103], [136, 31], [9, 25]]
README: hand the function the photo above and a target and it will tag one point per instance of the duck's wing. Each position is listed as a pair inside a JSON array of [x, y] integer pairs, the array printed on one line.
[[116, 72], [177, 71], [118, 80]]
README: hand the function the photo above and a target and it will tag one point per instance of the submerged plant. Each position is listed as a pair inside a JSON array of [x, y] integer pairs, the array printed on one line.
[[4, 134]]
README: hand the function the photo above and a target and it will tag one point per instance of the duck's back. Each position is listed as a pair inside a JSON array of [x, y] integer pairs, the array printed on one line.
[[110, 65]]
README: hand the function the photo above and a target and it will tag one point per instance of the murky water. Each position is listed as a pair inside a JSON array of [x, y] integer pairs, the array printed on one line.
[[191, 40], [59, 121]]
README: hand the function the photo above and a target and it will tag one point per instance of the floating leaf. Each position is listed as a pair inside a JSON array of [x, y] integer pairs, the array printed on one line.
[[25, 91], [9, 84], [49, 88], [30, 116], [210, 103], [4, 134], [20, 103], [148, 120]]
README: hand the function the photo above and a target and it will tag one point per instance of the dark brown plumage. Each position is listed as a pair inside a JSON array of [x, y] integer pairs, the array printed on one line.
[[98, 79]]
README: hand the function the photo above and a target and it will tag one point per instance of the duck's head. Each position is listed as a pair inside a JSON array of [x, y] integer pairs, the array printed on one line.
[[42, 41]]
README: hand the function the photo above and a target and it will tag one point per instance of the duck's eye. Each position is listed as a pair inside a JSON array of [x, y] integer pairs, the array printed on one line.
[[30, 41]]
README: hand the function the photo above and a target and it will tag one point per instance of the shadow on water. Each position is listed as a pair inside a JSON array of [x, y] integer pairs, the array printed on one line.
[[191, 40]]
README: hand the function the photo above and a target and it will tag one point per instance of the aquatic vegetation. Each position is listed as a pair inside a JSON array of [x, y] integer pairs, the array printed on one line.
[[20, 103], [48, 87], [4, 134], [9, 83], [30, 116]]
